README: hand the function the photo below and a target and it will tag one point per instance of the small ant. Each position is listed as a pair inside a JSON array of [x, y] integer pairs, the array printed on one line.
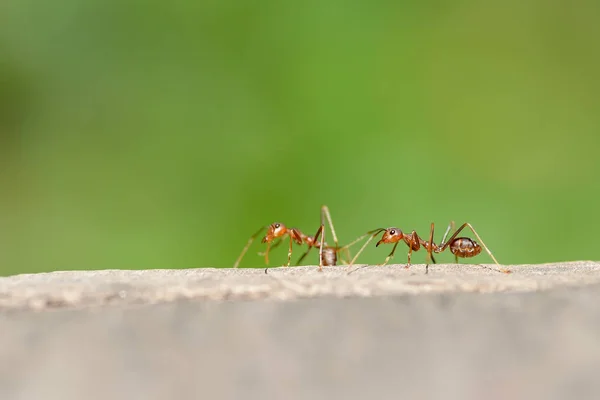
[[461, 247], [328, 255], [276, 230]]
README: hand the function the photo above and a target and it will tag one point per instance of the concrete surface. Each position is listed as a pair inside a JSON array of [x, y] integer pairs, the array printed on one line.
[[459, 332]]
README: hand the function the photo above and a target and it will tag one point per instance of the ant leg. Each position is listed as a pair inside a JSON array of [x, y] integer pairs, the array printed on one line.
[[303, 256], [321, 248], [275, 245], [392, 255], [466, 224], [290, 251], [409, 254], [361, 249], [450, 227], [373, 233], [348, 256], [325, 212], [294, 235], [252, 238], [310, 246], [267, 253], [430, 247]]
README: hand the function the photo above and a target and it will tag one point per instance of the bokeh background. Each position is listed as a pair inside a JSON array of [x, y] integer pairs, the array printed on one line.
[[154, 134]]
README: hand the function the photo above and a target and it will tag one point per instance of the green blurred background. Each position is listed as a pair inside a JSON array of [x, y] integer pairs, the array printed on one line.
[[154, 134]]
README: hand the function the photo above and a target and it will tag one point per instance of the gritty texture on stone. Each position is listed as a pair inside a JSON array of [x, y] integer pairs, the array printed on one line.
[[73, 289], [459, 332]]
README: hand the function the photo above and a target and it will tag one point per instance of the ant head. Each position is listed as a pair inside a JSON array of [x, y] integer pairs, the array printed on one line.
[[277, 229], [391, 235]]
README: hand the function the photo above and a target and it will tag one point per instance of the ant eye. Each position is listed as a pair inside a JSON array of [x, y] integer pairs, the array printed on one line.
[[276, 226], [393, 232]]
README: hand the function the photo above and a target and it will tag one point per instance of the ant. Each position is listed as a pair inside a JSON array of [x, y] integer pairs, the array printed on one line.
[[328, 255], [276, 230], [461, 247]]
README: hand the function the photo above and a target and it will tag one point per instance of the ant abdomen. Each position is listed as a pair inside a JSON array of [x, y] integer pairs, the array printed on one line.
[[329, 256], [465, 247]]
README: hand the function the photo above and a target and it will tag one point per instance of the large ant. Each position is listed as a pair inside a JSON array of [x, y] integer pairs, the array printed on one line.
[[461, 247], [327, 254]]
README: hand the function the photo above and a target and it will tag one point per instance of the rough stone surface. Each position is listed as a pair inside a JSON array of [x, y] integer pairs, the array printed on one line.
[[95, 288], [459, 332]]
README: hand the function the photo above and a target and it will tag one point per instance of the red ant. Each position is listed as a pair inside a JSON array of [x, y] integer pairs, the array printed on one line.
[[327, 254], [276, 230], [461, 247]]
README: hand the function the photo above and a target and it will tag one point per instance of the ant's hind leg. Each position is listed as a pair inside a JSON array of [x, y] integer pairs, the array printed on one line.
[[466, 224], [450, 227], [348, 256], [325, 213]]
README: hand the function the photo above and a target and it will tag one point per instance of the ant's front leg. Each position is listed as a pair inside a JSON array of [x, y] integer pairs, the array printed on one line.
[[245, 249], [391, 255], [275, 245]]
